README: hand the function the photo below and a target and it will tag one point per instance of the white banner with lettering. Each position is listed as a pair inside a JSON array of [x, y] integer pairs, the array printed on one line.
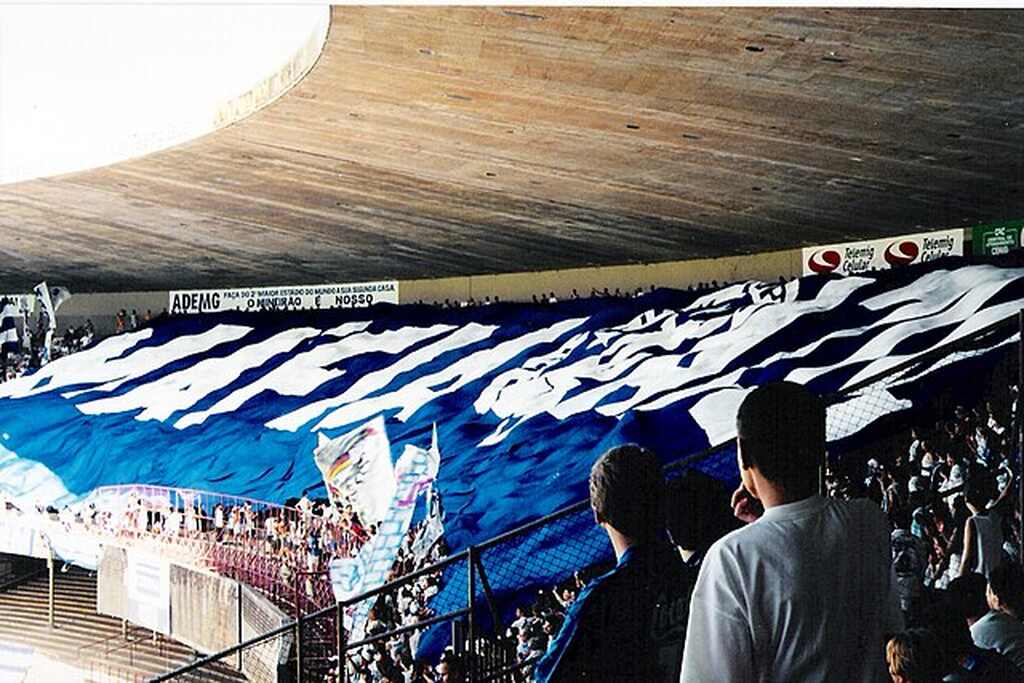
[[851, 258], [307, 297]]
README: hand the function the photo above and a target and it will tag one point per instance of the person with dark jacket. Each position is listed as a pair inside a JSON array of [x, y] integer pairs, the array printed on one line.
[[630, 624]]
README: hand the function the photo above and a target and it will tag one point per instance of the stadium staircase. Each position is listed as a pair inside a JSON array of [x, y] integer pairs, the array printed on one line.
[[98, 645]]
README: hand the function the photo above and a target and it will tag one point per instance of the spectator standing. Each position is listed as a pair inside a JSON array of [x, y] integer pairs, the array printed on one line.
[[1001, 628], [983, 535], [627, 625], [804, 592]]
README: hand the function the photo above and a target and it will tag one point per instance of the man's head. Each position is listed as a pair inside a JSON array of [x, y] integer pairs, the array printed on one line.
[[947, 620], [968, 592], [695, 505], [979, 491], [914, 656], [780, 430], [1006, 589], [627, 492]]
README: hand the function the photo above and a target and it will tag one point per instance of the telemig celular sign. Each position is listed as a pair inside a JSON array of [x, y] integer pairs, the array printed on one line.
[[311, 297], [851, 258]]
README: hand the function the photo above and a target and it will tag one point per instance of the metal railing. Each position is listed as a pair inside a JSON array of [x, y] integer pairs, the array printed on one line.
[[325, 651], [262, 544]]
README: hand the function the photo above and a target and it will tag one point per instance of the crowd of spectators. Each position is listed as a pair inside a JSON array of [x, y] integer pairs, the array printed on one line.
[[394, 659], [947, 490], [948, 496], [574, 295], [279, 550]]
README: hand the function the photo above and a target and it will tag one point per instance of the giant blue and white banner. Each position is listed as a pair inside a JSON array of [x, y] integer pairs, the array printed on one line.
[[524, 397]]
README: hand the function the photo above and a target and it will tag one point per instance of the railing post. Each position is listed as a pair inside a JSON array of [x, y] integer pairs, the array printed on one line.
[[470, 618], [1018, 435], [50, 591], [341, 640], [298, 651], [298, 628]]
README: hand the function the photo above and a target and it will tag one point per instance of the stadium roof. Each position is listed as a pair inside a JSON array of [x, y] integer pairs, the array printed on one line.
[[433, 142]]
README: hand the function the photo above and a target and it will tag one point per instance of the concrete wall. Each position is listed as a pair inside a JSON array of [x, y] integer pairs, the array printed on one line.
[[86, 86], [679, 274], [768, 266], [204, 610], [261, 663], [111, 596], [207, 612], [101, 308]]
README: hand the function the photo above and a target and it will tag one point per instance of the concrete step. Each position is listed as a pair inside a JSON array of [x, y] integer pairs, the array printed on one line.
[[91, 641]]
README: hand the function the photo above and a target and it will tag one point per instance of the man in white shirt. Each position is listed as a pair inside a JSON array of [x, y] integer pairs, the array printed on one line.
[[804, 592], [1001, 628]]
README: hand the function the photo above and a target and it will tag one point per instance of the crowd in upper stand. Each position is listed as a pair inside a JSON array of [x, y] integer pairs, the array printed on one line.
[[908, 570], [574, 295], [76, 338], [277, 549]]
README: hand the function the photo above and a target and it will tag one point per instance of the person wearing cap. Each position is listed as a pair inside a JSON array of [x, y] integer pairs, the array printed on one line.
[[804, 591]]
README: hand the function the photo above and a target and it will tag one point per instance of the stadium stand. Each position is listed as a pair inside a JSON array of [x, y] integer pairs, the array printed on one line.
[[917, 466], [105, 648]]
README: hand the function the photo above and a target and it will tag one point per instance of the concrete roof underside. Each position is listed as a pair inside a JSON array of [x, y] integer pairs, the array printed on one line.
[[431, 142]]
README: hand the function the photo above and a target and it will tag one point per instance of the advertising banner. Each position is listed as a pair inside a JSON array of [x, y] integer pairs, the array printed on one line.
[[310, 297], [997, 238], [851, 258]]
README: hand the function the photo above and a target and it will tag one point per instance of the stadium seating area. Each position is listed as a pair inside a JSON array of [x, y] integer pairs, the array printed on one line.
[[929, 480]]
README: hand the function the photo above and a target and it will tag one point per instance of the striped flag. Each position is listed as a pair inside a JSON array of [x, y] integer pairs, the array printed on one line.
[[8, 327]]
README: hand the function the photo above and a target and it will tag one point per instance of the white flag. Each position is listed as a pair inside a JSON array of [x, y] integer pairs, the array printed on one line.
[[43, 295], [58, 295], [357, 468], [416, 470]]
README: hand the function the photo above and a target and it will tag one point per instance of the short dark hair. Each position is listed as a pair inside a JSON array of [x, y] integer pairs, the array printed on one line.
[[627, 491], [1007, 582], [781, 427], [979, 490], [968, 593], [947, 620], [695, 508]]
